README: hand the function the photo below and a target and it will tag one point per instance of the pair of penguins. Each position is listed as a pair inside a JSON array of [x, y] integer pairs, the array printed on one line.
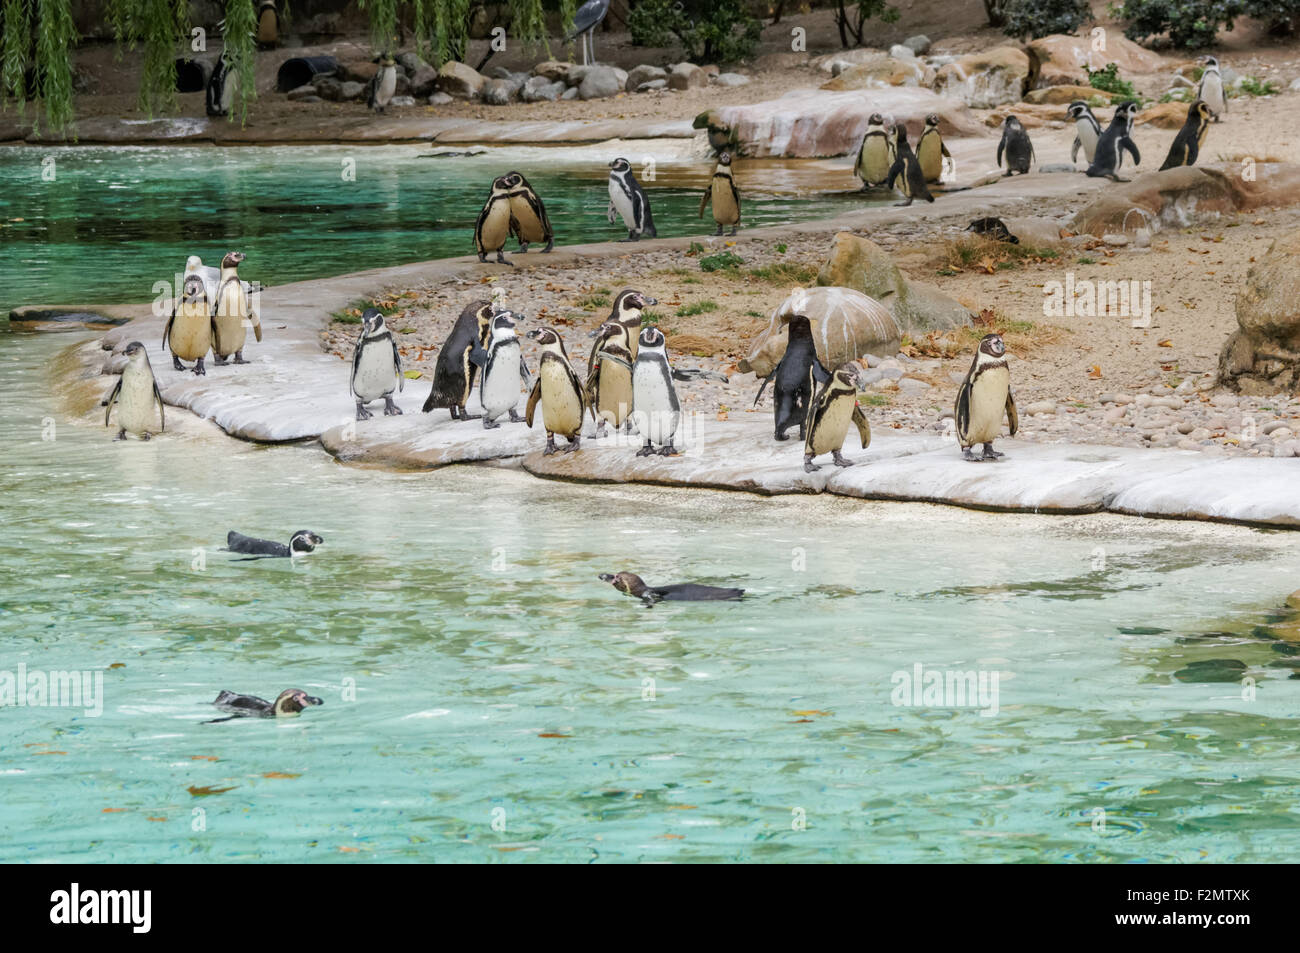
[[513, 207], [886, 159]]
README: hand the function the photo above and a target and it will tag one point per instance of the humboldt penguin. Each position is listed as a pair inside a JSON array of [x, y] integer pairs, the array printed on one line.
[[993, 228], [558, 390], [627, 311], [722, 193], [1210, 90], [189, 329], [656, 411], [631, 584], [875, 155], [376, 366], [211, 276], [1113, 142], [608, 387], [1086, 131], [380, 89], [829, 416], [268, 25], [984, 398], [223, 86], [503, 370], [1016, 146], [135, 394], [906, 170], [528, 219], [453, 375], [1187, 144], [930, 150], [628, 200], [300, 544], [232, 313], [495, 223], [793, 378], [291, 701]]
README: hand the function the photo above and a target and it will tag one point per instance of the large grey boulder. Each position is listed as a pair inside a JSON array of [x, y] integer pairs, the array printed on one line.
[[1263, 355], [644, 74], [859, 263], [499, 92], [411, 62], [919, 44], [350, 90], [423, 81], [687, 76], [553, 70], [540, 89], [730, 79], [600, 82], [461, 81]]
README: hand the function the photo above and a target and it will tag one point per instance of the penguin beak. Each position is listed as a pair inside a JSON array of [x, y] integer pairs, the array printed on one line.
[[535, 333], [310, 700], [606, 577]]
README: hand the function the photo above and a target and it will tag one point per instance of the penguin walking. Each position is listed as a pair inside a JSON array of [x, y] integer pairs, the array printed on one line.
[[376, 366], [906, 170], [223, 87], [930, 150], [135, 393], [723, 195], [189, 330], [382, 86], [1210, 90], [983, 399], [503, 370], [1187, 144], [793, 378], [453, 375], [875, 155], [829, 416], [232, 313], [1016, 146], [656, 411], [609, 376], [628, 200], [495, 223], [1113, 142], [528, 218], [1087, 131], [558, 390]]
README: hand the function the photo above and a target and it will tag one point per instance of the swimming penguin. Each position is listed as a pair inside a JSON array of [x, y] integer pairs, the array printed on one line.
[[1210, 90], [875, 155], [829, 416], [135, 394], [376, 366], [983, 399], [558, 390], [1016, 145], [906, 170], [631, 584], [930, 150], [724, 196], [993, 228], [300, 544], [528, 219], [503, 370], [1113, 142], [656, 411], [189, 329], [223, 86], [453, 375], [495, 223], [291, 701], [380, 89], [794, 376], [628, 200], [1187, 144], [1086, 131], [268, 25], [609, 376], [232, 313]]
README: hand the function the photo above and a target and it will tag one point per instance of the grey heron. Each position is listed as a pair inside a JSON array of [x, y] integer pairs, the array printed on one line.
[[585, 21]]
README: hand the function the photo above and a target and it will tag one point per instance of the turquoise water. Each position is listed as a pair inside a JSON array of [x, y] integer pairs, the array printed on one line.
[[475, 672], [115, 220]]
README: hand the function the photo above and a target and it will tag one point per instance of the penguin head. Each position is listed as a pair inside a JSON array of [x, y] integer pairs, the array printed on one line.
[[194, 290], [516, 181], [1011, 124], [932, 120], [876, 120], [385, 59], [372, 321], [304, 541], [992, 345], [549, 338], [651, 337], [293, 700], [620, 165], [899, 132], [504, 320], [1128, 109], [233, 259], [1211, 63], [501, 184], [724, 159], [1198, 109], [630, 300], [1078, 109], [628, 582], [193, 263], [846, 375], [136, 353]]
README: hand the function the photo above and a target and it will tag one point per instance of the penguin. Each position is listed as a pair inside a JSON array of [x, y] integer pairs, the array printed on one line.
[[232, 313], [300, 544], [1086, 131], [528, 219], [558, 390], [453, 375], [656, 411], [211, 276], [983, 399], [380, 89], [993, 228], [495, 223], [223, 86], [906, 170], [291, 701], [829, 416], [1210, 90], [627, 311], [609, 376], [1187, 144], [631, 584], [189, 329], [268, 25], [1015, 143], [376, 366], [793, 376], [503, 369], [723, 195], [1113, 142], [875, 155], [930, 150], [135, 393], [628, 200]]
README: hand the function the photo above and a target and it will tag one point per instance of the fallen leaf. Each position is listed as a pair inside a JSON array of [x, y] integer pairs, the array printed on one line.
[[1094, 372], [1165, 343], [811, 711], [207, 791], [156, 818], [682, 807], [350, 850], [203, 757], [114, 810], [552, 734], [280, 774], [722, 415], [118, 665], [671, 836]]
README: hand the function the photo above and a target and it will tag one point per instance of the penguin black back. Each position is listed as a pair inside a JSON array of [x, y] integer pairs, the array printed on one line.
[[633, 585], [993, 228], [907, 169], [792, 377], [302, 542], [1186, 146], [1015, 145], [1114, 142], [453, 376]]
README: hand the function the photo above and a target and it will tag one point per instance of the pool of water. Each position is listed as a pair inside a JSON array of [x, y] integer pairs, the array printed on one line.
[[488, 699], [113, 221]]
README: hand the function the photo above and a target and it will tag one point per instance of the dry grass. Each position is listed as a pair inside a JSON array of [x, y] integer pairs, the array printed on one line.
[[988, 255], [1021, 337]]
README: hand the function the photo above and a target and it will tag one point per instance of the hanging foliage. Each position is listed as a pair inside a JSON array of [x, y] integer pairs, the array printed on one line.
[[162, 23], [239, 49], [52, 70], [383, 23], [16, 50]]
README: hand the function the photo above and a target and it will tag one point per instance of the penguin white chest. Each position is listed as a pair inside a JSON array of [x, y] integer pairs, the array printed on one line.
[[655, 410], [137, 410], [387, 85], [1212, 91], [501, 381], [561, 402], [229, 321], [376, 375], [988, 402], [622, 204], [1088, 137], [829, 432]]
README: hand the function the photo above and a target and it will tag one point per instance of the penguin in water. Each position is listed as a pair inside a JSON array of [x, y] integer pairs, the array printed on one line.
[[1210, 90], [495, 223], [376, 366], [290, 702], [558, 390], [528, 219], [609, 376], [794, 377], [906, 170], [631, 584], [190, 327], [503, 370], [223, 87], [829, 416], [930, 150], [983, 399], [1187, 144], [875, 155], [382, 86], [1116, 138], [1087, 131], [453, 375], [723, 195], [300, 544], [656, 411], [628, 200], [1016, 146], [232, 313], [135, 394]]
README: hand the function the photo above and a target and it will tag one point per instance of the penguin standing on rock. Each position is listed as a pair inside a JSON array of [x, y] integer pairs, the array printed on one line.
[[609, 376], [189, 329], [723, 195], [528, 219], [1016, 146], [984, 398], [1087, 131], [1210, 90], [656, 411], [382, 86], [1187, 144], [376, 366], [1117, 137], [495, 223], [503, 370], [232, 313], [135, 393], [453, 375], [558, 390], [628, 200], [906, 170], [829, 416], [794, 376], [875, 155], [930, 150]]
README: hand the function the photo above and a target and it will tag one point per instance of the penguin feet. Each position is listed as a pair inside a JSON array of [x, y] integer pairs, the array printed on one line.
[[523, 248], [839, 459], [121, 434], [633, 237], [550, 445], [146, 436], [908, 202], [667, 451], [466, 415], [1006, 174], [391, 409], [967, 455], [362, 413], [808, 465], [199, 369], [482, 256], [514, 417], [239, 357], [781, 435], [549, 246], [734, 228], [574, 441], [489, 424], [719, 231], [176, 363], [501, 260], [646, 450], [991, 454]]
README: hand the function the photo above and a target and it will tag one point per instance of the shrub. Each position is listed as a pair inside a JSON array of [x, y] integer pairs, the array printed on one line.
[[724, 261], [1107, 80], [1191, 24], [1043, 17], [707, 30]]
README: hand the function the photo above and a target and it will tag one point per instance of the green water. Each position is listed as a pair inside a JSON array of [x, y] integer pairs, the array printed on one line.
[[475, 671]]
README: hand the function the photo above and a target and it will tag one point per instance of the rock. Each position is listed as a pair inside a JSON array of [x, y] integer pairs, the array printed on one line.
[[351, 90], [910, 385], [412, 63], [499, 92], [882, 70], [402, 101], [983, 80], [357, 71], [600, 82], [553, 71], [1162, 116], [652, 85], [1115, 240], [687, 76], [424, 81], [644, 74], [570, 93], [864, 266], [1064, 95], [901, 52], [439, 99], [1295, 84], [919, 44], [311, 99], [1263, 354], [1272, 425], [1041, 407], [846, 324], [460, 81], [873, 376], [730, 79], [540, 89], [1058, 59], [328, 88], [302, 92]]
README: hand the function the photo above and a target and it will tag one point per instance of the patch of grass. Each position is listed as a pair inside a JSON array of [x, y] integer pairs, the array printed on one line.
[[1107, 80], [724, 261], [593, 302], [695, 248], [780, 249], [698, 307], [756, 314], [875, 400], [1178, 96], [692, 280], [786, 273], [1021, 337], [1085, 260], [980, 253], [352, 313], [1254, 87], [649, 317]]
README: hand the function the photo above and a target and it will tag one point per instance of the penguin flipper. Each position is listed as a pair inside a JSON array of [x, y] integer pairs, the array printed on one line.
[[897, 169], [534, 397], [864, 426], [943, 149], [819, 372], [1131, 146], [397, 364], [257, 331], [167, 330], [477, 355], [704, 200], [961, 410], [763, 386], [162, 413], [111, 398], [1013, 418], [1074, 150], [1002, 145]]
